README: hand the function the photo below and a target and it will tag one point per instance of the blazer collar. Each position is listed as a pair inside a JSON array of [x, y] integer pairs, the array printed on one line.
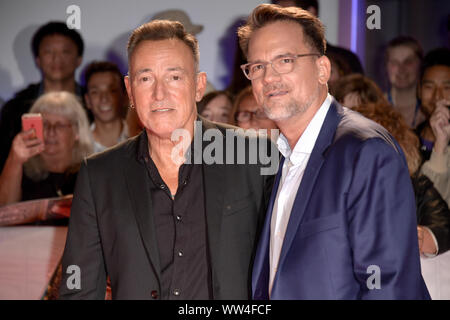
[[139, 193], [213, 178]]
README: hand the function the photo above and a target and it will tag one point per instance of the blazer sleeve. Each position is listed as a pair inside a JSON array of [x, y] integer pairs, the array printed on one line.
[[83, 246], [382, 225]]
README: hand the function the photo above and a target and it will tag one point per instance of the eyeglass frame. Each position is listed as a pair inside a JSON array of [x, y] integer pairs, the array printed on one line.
[[252, 114], [56, 127], [294, 56]]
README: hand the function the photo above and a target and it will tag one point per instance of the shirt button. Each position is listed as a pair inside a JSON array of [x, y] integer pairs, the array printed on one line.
[[155, 294], [162, 186], [178, 217], [180, 253], [176, 292], [185, 182]]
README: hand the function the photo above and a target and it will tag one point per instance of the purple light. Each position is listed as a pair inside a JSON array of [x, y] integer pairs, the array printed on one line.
[[354, 26]]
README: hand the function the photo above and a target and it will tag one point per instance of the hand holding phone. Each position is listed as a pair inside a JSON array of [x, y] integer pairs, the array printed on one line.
[[33, 121], [30, 141]]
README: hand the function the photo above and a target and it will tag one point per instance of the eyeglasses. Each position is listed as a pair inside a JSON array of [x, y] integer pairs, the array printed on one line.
[[58, 126], [246, 116], [283, 64]]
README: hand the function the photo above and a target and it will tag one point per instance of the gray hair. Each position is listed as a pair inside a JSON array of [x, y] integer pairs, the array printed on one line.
[[67, 105]]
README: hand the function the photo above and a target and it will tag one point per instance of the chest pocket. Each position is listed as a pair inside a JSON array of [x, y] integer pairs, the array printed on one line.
[[235, 206], [315, 226]]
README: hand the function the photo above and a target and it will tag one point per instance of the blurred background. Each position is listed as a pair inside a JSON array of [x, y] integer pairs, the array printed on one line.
[[106, 25]]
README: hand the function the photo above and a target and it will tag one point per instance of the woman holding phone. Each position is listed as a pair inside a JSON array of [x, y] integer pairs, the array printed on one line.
[[38, 169]]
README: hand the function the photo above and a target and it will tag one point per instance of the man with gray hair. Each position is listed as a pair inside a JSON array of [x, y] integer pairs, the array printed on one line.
[[161, 229]]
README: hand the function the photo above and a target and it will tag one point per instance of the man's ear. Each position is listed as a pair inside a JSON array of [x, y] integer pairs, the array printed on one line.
[[79, 61], [127, 81], [88, 102], [324, 67], [200, 86], [38, 62]]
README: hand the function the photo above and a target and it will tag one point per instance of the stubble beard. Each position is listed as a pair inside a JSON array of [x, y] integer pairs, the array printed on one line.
[[279, 112]]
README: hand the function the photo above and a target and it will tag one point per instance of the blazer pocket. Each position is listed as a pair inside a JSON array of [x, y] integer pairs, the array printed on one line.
[[237, 205], [319, 225]]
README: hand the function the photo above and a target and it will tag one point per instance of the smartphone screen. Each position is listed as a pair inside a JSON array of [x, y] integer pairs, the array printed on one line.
[[33, 121]]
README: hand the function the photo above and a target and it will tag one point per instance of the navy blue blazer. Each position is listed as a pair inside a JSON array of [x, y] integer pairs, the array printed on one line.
[[354, 212]]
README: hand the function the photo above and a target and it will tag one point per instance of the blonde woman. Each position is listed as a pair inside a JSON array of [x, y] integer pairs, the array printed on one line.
[[38, 169]]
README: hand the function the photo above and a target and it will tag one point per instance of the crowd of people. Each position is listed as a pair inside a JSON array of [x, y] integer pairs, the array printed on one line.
[[82, 121]]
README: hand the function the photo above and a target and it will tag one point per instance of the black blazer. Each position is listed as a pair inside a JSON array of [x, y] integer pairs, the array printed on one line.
[[112, 232]]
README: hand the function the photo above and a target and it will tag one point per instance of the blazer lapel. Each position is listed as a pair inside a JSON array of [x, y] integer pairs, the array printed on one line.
[[260, 274], [213, 178], [310, 175], [138, 191]]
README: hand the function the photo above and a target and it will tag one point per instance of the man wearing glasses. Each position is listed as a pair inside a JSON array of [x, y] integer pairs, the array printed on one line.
[[341, 222]]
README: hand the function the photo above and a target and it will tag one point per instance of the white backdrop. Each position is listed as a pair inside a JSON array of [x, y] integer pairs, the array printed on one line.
[[106, 25]]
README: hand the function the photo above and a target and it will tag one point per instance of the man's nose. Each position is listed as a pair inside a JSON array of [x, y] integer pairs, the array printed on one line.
[[270, 74], [439, 94], [159, 90], [56, 56], [104, 96]]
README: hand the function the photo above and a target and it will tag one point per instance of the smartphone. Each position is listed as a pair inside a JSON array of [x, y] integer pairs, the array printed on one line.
[[33, 121]]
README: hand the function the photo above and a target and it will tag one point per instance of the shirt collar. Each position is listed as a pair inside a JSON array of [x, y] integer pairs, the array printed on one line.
[[143, 153], [308, 139]]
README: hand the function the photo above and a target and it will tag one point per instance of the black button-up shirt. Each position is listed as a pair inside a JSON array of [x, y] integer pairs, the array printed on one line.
[[180, 230]]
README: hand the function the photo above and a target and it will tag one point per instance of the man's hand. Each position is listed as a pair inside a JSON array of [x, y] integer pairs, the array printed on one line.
[[426, 242], [26, 145], [440, 125]]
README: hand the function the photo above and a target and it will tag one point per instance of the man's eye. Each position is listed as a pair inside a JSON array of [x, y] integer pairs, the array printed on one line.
[[257, 67], [176, 78], [287, 60]]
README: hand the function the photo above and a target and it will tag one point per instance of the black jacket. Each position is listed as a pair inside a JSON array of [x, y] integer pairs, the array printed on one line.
[[432, 210], [112, 230]]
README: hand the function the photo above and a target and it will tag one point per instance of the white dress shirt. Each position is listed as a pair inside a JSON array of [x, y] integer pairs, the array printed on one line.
[[291, 177]]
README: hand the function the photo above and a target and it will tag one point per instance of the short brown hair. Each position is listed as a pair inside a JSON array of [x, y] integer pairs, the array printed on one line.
[[163, 30], [405, 41], [265, 14], [103, 66]]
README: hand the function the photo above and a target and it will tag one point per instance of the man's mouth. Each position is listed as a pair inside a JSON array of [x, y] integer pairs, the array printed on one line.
[[277, 93], [105, 108], [162, 110]]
